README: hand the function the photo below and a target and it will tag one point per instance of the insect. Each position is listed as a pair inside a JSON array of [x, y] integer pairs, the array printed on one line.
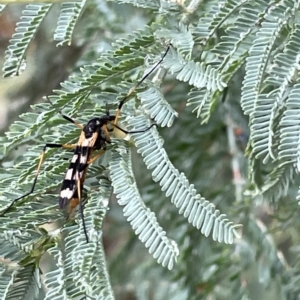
[[93, 138]]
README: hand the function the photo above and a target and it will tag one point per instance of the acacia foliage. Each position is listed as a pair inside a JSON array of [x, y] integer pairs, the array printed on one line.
[[235, 65]]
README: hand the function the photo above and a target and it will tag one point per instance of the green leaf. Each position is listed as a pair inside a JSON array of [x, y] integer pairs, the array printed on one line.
[[142, 220], [31, 20], [68, 18], [196, 209]]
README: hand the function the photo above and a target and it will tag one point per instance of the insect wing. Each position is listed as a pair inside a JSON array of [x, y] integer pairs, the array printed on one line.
[[69, 184], [77, 169]]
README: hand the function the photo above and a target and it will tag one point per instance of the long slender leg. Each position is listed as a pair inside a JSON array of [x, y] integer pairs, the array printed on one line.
[[137, 131], [65, 116], [78, 200], [90, 161], [101, 152], [79, 185], [106, 132], [67, 146], [138, 83]]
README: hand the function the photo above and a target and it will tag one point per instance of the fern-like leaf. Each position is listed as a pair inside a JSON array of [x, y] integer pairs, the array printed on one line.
[[285, 66], [27, 284], [182, 39], [89, 265], [163, 6], [81, 269], [259, 233], [195, 74], [261, 133], [201, 100], [110, 65], [278, 182], [9, 250], [198, 211], [60, 282], [267, 107], [68, 18], [257, 61], [77, 90], [31, 18], [142, 3], [234, 46], [214, 20], [6, 280], [138, 39], [54, 280], [290, 129], [157, 107], [142, 220]]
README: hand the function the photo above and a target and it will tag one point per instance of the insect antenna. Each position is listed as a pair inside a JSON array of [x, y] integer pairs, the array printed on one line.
[[63, 115], [139, 83]]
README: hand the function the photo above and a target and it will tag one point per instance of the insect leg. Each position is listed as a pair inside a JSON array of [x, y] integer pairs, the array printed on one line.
[[101, 152], [79, 186], [106, 132], [137, 131], [138, 83], [67, 146]]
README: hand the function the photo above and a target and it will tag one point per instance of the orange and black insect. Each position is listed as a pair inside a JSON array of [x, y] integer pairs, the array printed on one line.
[[94, 137]]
